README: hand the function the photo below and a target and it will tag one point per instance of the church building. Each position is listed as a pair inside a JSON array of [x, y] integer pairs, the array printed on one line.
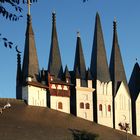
[[29, 86], [134, 86], [82, 91], [99, 94], [102, 97], [121, 95], [58, 82]]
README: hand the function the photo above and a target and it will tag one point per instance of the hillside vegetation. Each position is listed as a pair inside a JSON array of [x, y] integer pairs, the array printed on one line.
[[22, 122]]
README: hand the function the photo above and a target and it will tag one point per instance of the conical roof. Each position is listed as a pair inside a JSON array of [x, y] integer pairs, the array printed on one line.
[[89, 77], [66, 72], [79, 63], [55, 64], [99, 66], [77, 74], [19, 72], [117, 71], [134, 82], [30, 60]]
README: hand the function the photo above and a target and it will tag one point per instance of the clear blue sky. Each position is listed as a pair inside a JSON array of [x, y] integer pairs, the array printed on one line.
[[71, 16]]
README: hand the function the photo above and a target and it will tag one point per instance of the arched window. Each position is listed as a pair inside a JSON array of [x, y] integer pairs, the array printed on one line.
[[109, 108], [81, 105], [60, 105], [100, 107], [87, 106]]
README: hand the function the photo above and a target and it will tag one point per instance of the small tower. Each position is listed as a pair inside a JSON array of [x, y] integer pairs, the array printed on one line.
[[134, 86], [18, 77], [67, 76], [55, 64], [59, 87], [121, 95], [103, 102], [33, 92], [82, 92]]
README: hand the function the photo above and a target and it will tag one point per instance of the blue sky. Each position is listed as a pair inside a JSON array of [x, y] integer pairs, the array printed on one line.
[[71, 16]]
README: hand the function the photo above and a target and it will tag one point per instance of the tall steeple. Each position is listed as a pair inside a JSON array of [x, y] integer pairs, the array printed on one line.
[[134, 82], [18, 77], [99, 66], [116, 65], [30, 61], [134, 86], [19, 73], [66, 72], [55, 64], [79, 63]]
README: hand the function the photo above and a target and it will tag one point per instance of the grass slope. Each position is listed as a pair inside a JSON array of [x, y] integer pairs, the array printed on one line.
[[22, 122]]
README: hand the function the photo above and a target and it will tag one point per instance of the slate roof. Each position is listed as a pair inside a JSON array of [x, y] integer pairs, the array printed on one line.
[[55, 65], [76, 73], [30, 60], [89, 76], [79, 63], [66, 72], [134, 82], [99, 66], [117, 71]]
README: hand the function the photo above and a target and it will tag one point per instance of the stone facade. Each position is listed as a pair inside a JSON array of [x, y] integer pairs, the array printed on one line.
[[123, 112], [138, 115], [84, 102], [104, 103]]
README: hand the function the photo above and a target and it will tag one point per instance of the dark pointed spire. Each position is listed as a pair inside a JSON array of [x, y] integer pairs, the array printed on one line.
[[117, 71], [55, 64], [77, 74], [89, 77], [99, 66], [79, 64], [43, 76], [134, 82], [66, 72], [30, 60], [19, 78], [19, 73]]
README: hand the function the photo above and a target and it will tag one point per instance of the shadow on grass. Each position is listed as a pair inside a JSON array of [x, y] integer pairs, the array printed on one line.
[[83, 135]]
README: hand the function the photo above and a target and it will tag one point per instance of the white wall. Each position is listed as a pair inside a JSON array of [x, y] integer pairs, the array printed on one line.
[[104, 97], [123, 107], [64, 100], [84, 95], [138, 115], [34, 95]]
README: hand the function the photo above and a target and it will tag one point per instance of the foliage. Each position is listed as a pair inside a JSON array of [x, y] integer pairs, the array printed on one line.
[[124, 126], [5, 13], [16, 5], [85, 0], [83, 135]]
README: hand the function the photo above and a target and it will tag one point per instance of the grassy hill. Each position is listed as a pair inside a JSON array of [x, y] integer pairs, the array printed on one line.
[[22, 122]]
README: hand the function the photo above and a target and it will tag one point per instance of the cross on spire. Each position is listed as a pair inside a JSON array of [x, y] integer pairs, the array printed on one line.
[[29, 7]]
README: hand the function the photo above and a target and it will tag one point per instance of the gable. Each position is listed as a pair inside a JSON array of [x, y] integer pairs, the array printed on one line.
[[138, 98], [122, 90]]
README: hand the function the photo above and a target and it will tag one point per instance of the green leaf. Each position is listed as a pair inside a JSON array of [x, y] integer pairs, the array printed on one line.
[[5, 44], [5, 39]]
